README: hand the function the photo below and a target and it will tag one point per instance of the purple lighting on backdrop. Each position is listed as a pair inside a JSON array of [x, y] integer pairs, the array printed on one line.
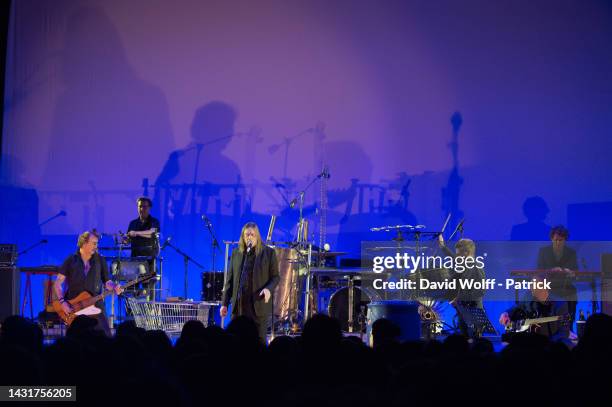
[[103, 94]]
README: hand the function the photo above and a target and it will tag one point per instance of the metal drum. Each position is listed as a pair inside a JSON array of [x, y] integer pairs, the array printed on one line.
[[339, 307], [286, 293], [404, 314]]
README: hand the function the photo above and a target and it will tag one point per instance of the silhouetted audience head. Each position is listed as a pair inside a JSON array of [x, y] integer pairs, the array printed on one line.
[[456, 345], [127, 328], [318, 367], [193, 330], [321, 332], [597, 337], [385, 332], [19, 331], [245, 329]]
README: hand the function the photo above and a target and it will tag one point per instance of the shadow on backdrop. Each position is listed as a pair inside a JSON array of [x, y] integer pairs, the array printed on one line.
[[200, 179], [535, 210], [110, 128]]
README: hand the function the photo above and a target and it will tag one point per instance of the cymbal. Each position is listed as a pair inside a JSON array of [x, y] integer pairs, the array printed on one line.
[[326, 254], [128, 258]]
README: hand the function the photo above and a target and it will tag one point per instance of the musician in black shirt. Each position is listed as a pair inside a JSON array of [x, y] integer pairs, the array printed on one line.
[[144, 238], [85, 270], [561, 300], [143, 230], [561, 259]]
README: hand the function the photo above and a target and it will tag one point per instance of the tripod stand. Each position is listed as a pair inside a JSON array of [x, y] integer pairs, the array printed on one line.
[[186, 259]]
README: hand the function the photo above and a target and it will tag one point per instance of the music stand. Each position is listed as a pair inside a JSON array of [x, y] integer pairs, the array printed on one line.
[[476, 320]]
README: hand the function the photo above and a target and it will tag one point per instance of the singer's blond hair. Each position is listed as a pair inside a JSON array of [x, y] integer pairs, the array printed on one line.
[[242, 243]]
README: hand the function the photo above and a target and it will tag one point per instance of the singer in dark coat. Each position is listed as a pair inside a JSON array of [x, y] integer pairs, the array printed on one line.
[[251, 278]]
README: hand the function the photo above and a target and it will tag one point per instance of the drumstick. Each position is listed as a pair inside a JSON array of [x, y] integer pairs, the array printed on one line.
[[446, 223]]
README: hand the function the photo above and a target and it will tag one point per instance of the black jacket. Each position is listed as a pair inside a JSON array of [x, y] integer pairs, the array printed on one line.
[[265, 275], [547, 259], [562, 285]]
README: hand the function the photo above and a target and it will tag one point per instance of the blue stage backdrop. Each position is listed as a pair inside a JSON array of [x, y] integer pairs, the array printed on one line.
[[230, 108]]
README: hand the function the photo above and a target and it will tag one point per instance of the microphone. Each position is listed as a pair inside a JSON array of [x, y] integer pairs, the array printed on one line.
[[44, 241], [249, 246], [460, 225], [458, 228], [324, 174], [62, 213], [166, 242], [206, 220]]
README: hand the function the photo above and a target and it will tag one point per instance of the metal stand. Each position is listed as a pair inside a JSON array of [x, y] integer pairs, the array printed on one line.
[[225, 267], [308, 282], [214, 246], [111, 318], [301, 241], [186, 260], [351, 303]]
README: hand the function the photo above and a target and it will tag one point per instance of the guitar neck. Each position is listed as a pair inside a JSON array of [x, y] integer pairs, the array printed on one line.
[[542, 320], [101, 296]]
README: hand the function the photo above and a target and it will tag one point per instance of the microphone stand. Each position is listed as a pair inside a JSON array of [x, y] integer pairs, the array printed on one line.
[[459, 229], [300, 200], [120, 243], [57, 215], [28, 285], [302, 242], [41, 242], [186, 260], [214, 246]]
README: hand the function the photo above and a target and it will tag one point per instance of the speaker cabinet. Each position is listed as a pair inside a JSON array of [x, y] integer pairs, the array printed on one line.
[[606, 283], [9, 292]]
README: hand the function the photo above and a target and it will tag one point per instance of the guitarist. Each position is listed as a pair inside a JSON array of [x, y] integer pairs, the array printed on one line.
[[540, 308], [540, 304], [85, 270]]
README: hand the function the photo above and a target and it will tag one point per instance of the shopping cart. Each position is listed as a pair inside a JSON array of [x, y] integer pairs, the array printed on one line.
[[168, 316]]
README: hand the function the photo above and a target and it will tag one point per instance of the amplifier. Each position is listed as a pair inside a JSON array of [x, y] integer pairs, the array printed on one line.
[[9, 292], [8, 255], [212, 286], [606, 283]]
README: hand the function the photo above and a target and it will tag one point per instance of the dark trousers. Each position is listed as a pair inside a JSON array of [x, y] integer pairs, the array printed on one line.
[[263, 323], [101, 320], [102, 323], [262, 326]]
